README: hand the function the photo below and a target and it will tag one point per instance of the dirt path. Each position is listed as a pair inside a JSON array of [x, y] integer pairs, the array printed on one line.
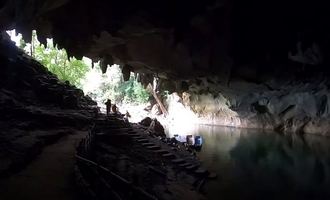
[[50, 176]]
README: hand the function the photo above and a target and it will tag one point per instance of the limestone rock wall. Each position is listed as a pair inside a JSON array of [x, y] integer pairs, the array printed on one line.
[[283, 106]]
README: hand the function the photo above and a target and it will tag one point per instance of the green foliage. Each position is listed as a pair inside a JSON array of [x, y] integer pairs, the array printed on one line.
[[56, 60], [22, 43], [112, 86], [109, 85], [133, 91]]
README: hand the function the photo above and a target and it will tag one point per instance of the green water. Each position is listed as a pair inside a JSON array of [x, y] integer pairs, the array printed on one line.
[[252, 164]]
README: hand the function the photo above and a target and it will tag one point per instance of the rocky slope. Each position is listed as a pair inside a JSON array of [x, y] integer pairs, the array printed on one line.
[[35, 108]]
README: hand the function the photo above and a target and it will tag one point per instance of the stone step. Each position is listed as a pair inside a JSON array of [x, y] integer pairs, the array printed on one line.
[[168, 155], [121, 129], [110, 134], [191, 167], [137, 137], [142, 140], [147, 144], [108, 121], [131, 131], [115, 133], [112, 128], [134, 135], [201, 171], [154, 147], [184, 165], [177, 161], [161, 151]]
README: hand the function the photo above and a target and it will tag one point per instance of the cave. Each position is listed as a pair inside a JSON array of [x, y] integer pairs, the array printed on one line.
[[245, 115]]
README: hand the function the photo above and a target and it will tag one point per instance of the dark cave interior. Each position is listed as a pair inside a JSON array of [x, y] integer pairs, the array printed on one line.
[[200, 37], [245, 64]]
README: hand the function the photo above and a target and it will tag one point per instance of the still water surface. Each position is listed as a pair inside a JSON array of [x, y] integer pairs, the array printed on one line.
[[252, 164]]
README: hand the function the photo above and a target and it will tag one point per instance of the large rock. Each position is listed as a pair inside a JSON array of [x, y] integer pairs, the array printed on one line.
[[157, 128], [146, 121]]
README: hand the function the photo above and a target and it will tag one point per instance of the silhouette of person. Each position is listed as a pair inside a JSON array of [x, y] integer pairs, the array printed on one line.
[[127, 115], [108, 106]]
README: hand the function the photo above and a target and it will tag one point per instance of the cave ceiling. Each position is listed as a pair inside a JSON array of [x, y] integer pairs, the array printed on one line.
[[173, 38]]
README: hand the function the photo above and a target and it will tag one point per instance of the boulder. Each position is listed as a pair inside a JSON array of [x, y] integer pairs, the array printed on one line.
[[157, 128], [146, 121]]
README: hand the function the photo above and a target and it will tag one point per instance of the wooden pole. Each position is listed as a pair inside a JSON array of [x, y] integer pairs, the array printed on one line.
[[159, 102]]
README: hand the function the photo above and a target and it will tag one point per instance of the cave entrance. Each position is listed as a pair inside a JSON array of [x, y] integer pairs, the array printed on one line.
[[128, 95], [87, 75]]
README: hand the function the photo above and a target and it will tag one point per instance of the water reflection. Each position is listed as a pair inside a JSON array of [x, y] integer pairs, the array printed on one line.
[[264, 165]]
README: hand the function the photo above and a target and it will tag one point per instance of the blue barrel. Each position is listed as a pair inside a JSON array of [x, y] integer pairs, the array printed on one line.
[[198, 140]]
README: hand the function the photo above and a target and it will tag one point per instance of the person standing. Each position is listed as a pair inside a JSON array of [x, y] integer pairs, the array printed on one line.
[[126, 116], [108, 106]]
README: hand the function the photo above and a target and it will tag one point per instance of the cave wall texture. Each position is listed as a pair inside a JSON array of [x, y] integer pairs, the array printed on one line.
[[184, 38], [36, 109], [254, 64]]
